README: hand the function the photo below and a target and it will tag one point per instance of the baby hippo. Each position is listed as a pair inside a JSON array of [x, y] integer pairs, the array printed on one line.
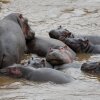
[[37, 62], [37, 75], [60, 55], [60, 32]]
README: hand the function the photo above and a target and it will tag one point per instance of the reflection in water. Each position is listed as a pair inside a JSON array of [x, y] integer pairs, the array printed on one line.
[[5, 80]]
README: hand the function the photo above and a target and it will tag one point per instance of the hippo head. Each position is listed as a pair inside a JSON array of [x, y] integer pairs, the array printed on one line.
[[91, 67], [59, 56], [78, 44], [13, 71], [60, 33], [35, 62], [28, 32], [23, 22]]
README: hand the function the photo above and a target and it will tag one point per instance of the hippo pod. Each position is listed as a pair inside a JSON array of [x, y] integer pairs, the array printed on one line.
[[61, 33], [37, 62], [14, 32], [41, 45], [55, 57], [91, 67], [60, 55], [38, 75], [82, 45]]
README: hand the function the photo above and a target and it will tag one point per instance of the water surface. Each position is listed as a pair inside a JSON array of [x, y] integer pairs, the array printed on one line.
[[78, 16]]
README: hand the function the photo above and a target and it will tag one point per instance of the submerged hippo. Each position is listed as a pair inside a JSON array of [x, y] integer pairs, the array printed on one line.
[[41, 45], [91, 67], [54, 58], [38, 75], [61, 33], [82, 45], [37, 62], [60, 55], [14, 32]]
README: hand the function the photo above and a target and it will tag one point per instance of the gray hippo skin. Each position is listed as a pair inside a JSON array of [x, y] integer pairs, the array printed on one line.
[[41, 45], [61, 33], [91, 67], [60, 55], [37, 62], [54, 57], [14, 32], [37, 75], [82, 45]]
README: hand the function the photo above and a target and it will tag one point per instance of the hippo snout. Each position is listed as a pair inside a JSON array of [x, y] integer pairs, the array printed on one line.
[[92, 67], [84, 66]]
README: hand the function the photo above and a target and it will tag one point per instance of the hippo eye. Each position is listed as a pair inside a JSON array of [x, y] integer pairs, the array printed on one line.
[[50, 49], [61, 48]]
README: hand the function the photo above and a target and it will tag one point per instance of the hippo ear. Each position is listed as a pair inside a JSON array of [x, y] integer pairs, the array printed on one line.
[[85, 43], [20, 16], [43, 62]]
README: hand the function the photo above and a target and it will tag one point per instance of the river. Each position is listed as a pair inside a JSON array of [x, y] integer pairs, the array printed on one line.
[[79, 17]]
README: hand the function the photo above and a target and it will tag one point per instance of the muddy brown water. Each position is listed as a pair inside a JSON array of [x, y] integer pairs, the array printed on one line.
[[78, 16]]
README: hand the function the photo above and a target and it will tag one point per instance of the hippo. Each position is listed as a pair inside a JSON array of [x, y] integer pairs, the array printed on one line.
[[60, 55], [82, 45], [61, 33], [40, 45], [14, 32], [91, 67], [37, 75], [54, 57], [37, 62]]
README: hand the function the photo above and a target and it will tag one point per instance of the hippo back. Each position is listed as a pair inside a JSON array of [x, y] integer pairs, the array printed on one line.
[[41, 45], [12, 42]]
